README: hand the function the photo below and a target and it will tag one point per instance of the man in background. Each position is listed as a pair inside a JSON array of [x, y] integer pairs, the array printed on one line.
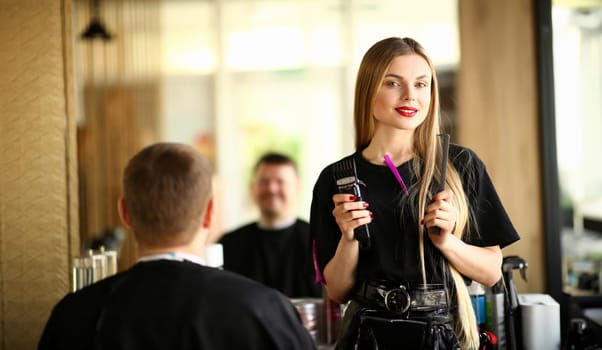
[[276, 249], [169, 299]]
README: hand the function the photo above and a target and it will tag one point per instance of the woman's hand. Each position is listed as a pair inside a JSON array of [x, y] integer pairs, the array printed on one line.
[[350, 214], [440, 213], [339, 272]]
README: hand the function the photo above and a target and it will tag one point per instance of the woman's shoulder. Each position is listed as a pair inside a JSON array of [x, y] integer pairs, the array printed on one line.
[[459, 151], [466, 160], [326, 181], [353, 157], [463, 154], [329, 169]]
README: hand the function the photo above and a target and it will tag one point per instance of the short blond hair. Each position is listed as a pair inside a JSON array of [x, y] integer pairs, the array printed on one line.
[[167, 188]]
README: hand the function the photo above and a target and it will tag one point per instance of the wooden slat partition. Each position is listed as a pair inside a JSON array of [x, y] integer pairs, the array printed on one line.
[[118, 89], [498, 115]]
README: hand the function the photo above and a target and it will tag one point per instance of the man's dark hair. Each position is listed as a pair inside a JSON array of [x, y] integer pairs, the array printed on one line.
[[275, 158]]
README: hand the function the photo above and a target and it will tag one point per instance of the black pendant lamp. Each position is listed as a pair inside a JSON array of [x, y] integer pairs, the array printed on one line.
[[96, 29]]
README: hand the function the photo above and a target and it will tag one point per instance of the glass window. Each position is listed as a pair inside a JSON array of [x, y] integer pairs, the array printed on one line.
[[578, 96]]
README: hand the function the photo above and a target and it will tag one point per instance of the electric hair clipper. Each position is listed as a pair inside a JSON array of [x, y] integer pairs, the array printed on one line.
[[347, 181]]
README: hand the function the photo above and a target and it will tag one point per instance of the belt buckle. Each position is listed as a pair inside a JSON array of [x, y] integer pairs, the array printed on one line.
[[397, 300], [430, 297]]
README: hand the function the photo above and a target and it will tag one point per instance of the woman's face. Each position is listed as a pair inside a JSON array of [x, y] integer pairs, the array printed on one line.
[[402, 102]]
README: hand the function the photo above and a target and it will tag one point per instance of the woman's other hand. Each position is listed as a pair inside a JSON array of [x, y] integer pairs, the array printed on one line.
[[442, 214]]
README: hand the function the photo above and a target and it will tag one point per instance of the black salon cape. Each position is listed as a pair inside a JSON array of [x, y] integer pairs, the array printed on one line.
[[175, 305], [394, 255], [280, 258]]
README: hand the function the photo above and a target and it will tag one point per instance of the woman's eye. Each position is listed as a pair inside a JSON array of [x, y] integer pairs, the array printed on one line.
[[393, 83], [421, 84]]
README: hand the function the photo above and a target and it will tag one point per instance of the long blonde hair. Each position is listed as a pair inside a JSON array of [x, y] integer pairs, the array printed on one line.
[[426, 165]]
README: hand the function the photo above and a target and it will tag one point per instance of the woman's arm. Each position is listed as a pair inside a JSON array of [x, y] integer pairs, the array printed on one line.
[[482, 264], [339, 273]]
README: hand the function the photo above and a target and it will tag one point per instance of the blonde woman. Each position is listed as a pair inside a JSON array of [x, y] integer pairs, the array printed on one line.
[[420, 245]]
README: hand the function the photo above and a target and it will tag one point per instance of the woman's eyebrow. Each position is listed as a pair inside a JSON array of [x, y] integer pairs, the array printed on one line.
[[424, 76]]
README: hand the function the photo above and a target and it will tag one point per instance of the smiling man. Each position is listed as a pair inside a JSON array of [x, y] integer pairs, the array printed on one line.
[[276, 249]]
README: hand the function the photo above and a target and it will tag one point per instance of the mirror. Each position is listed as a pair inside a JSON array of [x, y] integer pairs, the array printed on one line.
[[234, 78]]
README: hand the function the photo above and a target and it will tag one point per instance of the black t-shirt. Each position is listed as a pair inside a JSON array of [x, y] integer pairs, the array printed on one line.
[[278, 258], [394, 255]]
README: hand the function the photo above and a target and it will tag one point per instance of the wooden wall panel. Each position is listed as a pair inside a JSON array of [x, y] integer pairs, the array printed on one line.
[[118, 90], [38, 180], [498, 115]]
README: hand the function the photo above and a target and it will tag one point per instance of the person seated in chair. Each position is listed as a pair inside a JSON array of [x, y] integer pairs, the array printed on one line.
[[169, 299], [276, 249]]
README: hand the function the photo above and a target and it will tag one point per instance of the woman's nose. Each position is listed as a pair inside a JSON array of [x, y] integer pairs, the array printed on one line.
[[408, 94]]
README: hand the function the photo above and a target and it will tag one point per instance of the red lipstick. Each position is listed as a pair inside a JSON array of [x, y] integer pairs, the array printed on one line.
[[407, 111]]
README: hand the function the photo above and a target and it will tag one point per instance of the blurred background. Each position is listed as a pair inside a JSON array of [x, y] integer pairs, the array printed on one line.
[[235, 79], [87, 83], [238, 78]]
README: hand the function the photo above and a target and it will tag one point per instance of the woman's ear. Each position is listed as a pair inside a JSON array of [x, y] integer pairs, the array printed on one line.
[[123, 213]]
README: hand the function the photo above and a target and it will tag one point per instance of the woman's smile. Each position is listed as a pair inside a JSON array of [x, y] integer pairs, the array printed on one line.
[[407, 111]]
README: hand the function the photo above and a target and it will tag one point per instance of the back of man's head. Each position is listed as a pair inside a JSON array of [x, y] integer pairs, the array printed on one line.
[[167, 188]]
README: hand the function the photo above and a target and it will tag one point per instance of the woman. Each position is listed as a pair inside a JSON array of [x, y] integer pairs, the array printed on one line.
[[422, 242]]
